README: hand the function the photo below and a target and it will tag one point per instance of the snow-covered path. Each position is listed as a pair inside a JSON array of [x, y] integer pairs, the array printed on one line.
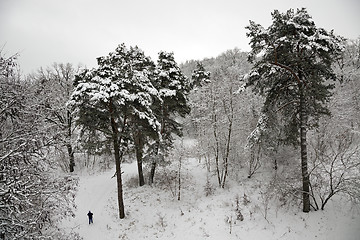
[[91, 196], [94, 194]]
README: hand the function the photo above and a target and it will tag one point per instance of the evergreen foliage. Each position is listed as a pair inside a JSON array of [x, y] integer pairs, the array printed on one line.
[[173, 87], [114, 98], [292, 67], [200, 75]]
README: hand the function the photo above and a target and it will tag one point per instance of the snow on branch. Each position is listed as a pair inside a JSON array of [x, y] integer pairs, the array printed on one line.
[[255, 135]]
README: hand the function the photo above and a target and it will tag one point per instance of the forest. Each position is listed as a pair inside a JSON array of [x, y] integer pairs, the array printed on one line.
[[289, 108]]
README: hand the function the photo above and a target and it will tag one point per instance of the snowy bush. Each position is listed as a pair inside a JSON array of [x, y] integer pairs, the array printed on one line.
[[165, 179], [239, 215], [209, 188], [283, 188], [132, 181]]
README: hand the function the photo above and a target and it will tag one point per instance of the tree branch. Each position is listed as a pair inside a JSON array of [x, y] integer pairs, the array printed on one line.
[[288, 69], [286, 104]]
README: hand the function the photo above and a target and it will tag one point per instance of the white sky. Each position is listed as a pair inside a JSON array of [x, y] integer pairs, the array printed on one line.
[[78, 31]]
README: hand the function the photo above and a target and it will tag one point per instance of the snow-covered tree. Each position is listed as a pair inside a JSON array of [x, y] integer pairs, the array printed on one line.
[[173, 87], [345, 104], [113, 97], [199, 76], [221, 114], [33, 196], [54, 87], [292, 62]]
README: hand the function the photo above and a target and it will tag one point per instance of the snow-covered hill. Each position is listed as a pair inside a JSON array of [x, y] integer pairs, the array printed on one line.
[[154, 213]]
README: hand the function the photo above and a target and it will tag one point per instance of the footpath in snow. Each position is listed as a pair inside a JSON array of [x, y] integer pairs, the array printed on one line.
[[94, 194]]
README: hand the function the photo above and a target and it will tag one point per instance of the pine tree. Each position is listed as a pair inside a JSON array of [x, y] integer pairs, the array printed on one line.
[[141, 131], [200, 75], [292, 62], [173, 87], [112, 98]]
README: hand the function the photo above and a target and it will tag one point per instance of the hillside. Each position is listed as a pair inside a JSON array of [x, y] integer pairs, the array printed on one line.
[[154, 213]]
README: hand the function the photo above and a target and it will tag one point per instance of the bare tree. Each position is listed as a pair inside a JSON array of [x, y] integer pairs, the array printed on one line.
[[335, 166], [54, 87]]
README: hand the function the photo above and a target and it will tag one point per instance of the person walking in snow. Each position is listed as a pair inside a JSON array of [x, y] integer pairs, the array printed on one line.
[[90, 215]]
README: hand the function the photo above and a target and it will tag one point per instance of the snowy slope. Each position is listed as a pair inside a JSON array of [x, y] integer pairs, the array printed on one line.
[[154, 213]]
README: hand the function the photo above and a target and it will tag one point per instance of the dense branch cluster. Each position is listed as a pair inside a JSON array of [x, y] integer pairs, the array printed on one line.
[[31, 193]]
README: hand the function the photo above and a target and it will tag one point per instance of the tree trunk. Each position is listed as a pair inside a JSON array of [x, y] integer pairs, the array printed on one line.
[[69, 147], [164, 116], [217, 155], [71, 157], [179, 180], [139, 156], [152, 172], [230, 116], [216, 148], [119, 179], [154, 163], [115, 136], [303, 145]]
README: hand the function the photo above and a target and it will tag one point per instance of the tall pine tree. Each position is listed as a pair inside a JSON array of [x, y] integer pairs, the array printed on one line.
[[292, 62], [113, 97], [173, 87]]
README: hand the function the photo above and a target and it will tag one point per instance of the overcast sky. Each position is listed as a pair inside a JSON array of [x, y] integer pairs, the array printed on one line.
[[78, 31]]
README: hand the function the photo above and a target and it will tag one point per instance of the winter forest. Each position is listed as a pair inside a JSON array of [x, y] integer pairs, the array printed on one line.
[[246, 145]]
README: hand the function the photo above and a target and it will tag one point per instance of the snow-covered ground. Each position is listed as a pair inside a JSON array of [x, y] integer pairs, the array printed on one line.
[[154, 213]]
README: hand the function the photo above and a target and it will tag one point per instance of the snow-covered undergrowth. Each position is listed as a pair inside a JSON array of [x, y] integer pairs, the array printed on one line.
[[153, 212]]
